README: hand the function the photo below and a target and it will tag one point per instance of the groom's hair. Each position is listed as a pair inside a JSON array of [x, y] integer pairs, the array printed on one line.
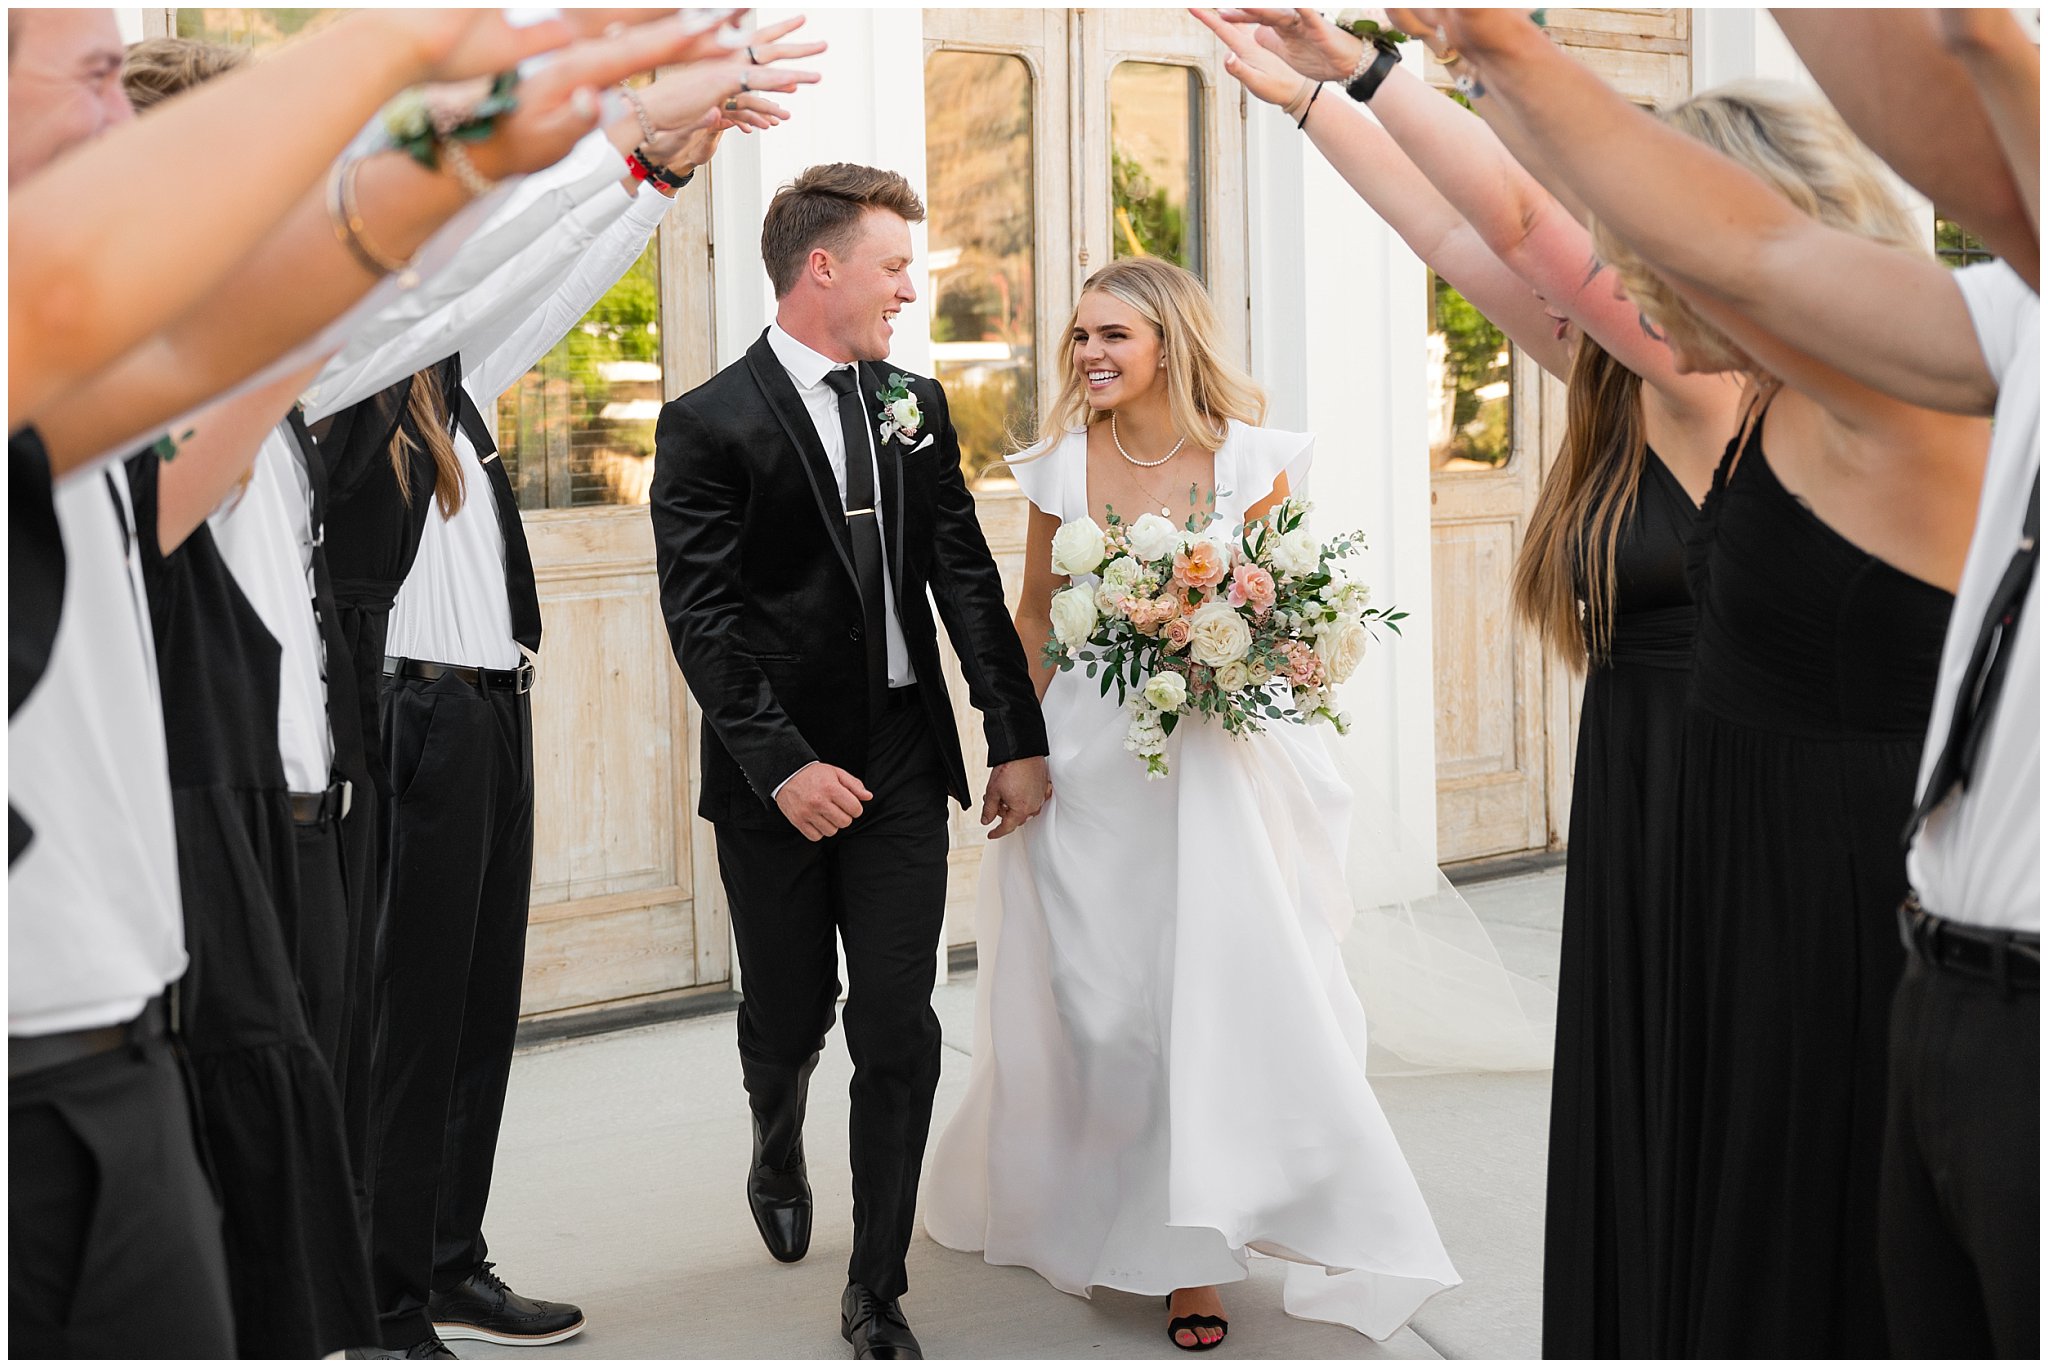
[[822, 208]]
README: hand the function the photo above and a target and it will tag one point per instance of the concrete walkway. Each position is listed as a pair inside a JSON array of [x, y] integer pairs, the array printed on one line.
[[619, 1187]]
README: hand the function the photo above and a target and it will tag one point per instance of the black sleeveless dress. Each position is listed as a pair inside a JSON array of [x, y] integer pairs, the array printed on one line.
[[298, 1265], [1812, 681], [1597, 1272]]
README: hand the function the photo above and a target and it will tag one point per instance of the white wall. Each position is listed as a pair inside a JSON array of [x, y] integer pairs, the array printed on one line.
[[869, 108], [1338, 320]]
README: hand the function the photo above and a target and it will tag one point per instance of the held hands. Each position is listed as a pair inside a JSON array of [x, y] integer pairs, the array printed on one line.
[[822, 800], [1016, 791], [1303, 39]]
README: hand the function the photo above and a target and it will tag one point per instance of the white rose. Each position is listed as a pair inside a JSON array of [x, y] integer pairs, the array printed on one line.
[[1153, 537], [1217, 636], [1233, 677], [1073, 616], [1077, 548], [904, 413], [1295, 553], [1342, 646], [1166, 691], [1122, 575], [1107, 596]]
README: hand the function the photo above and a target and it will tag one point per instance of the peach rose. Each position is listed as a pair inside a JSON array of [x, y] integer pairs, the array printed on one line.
[[1202, 566], [1177, 633], [1250, 584]]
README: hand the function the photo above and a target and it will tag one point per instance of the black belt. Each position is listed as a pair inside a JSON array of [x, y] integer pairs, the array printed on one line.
[[519, 680], [33, 1054], [905, 697], [2009, 959], [329, 805]]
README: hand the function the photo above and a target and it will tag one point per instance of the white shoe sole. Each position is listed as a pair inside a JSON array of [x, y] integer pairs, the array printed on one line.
[[449, 1330]]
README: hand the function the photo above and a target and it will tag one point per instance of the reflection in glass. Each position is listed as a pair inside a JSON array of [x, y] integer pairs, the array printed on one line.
[[578, 429], [251, 28], [1471, 391], [1155, 162], [979, 222]]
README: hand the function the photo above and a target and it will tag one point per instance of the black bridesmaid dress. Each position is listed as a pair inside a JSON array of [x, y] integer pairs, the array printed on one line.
[[1597, 1241], [1813, 676], [298, 1264]]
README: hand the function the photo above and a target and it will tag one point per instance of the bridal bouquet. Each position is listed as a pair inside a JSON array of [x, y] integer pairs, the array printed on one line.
[[1185, 622]]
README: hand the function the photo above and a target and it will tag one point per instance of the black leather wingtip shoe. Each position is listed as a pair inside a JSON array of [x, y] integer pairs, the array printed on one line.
[[874, 1327], [483, 1308], [781, 1203]]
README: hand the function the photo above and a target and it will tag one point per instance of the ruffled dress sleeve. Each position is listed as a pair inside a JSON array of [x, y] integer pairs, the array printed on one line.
[[1260, 456], [1045, 479]]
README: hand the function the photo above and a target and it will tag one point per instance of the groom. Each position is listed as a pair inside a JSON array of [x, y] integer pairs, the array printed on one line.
[[806, 517]]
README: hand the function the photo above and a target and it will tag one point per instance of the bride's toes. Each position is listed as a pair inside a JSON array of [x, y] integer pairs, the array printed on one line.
[[1186, 1339]]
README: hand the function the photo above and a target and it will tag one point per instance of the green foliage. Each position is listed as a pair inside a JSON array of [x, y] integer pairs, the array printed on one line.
[[1147, 222], [1473, 348]]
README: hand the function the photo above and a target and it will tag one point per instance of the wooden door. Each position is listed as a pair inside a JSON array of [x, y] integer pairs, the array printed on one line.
[[625, 904], [1507, 714]]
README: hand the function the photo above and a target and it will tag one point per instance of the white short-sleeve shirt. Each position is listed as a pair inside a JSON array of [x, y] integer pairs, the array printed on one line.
[[1978, 859]]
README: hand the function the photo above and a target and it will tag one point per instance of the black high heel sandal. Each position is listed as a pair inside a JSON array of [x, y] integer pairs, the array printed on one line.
[[1193, 1325]]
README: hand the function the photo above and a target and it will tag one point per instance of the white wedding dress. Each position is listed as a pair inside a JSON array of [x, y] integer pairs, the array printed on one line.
[[1170, 1055]]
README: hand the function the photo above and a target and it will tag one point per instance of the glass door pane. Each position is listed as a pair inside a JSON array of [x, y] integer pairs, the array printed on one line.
[[1155, 163], [981, 206]]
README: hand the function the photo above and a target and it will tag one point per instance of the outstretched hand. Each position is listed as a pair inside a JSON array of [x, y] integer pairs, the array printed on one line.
[[1263, 73], [1303, 39], [1017, 790]]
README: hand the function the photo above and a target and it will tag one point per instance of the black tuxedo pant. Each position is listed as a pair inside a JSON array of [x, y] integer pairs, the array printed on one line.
[[113, 1230], [880, 887], [461, 842], [1959, 1209]]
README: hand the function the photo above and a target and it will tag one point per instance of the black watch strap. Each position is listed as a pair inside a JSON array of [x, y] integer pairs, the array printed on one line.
[[1368, 83]]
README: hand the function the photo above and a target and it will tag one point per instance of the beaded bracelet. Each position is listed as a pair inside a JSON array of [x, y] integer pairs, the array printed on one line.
[[645, 168]]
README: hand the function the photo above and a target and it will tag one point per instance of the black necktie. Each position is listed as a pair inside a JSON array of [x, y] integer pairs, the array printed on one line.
[[518, 560], [1977, 697], [861, 527]]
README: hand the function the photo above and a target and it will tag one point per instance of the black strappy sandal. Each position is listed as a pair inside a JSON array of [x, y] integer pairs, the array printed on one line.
[[1193, 1325]]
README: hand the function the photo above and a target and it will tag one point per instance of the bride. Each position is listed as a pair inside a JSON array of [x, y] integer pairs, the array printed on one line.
[[1170, 1057]]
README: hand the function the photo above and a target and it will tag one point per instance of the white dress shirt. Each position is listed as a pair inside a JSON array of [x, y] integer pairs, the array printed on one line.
[[454, 606], [807, 370], [522, 254], [94, 923], [262, 535], [1978, 858]]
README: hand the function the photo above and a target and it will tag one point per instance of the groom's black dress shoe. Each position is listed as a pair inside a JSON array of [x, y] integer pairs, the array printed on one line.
[[874, 1327], [482, 1307], [778, 1185]]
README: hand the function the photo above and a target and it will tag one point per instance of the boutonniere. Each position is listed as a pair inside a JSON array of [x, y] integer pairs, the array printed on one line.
[[899, 417]]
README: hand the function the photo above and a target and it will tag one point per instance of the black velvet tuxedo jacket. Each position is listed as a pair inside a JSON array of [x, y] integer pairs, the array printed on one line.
[[763, 607]]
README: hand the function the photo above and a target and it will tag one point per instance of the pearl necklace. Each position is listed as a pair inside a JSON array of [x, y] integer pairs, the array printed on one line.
[[1134, 460]]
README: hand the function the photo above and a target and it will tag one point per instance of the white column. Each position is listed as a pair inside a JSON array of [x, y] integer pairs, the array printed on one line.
[[1338, 324], [869, 108]]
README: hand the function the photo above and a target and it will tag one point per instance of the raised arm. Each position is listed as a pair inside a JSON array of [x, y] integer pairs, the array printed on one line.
[[2005, 64], [216, 453], [89, 276], [307, 278], [1519, 221], [1816, 306], [1372, 164], [1867, 59]]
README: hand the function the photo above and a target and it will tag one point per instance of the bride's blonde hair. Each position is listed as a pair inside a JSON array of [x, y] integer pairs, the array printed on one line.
[[1204, 389]]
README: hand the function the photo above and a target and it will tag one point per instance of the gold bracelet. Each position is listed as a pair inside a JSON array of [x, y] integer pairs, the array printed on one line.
[[347, 217]]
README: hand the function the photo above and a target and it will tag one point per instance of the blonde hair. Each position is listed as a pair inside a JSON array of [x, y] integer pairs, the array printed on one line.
[[1569, 551], [1806, 153], [1204, 388], [427, 408], [157, 68]]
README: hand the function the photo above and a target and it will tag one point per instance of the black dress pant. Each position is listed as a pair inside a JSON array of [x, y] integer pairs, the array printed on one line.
[[461, 829], [880, 885], [113, 1230], [1959, 1218], [320, 941]]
